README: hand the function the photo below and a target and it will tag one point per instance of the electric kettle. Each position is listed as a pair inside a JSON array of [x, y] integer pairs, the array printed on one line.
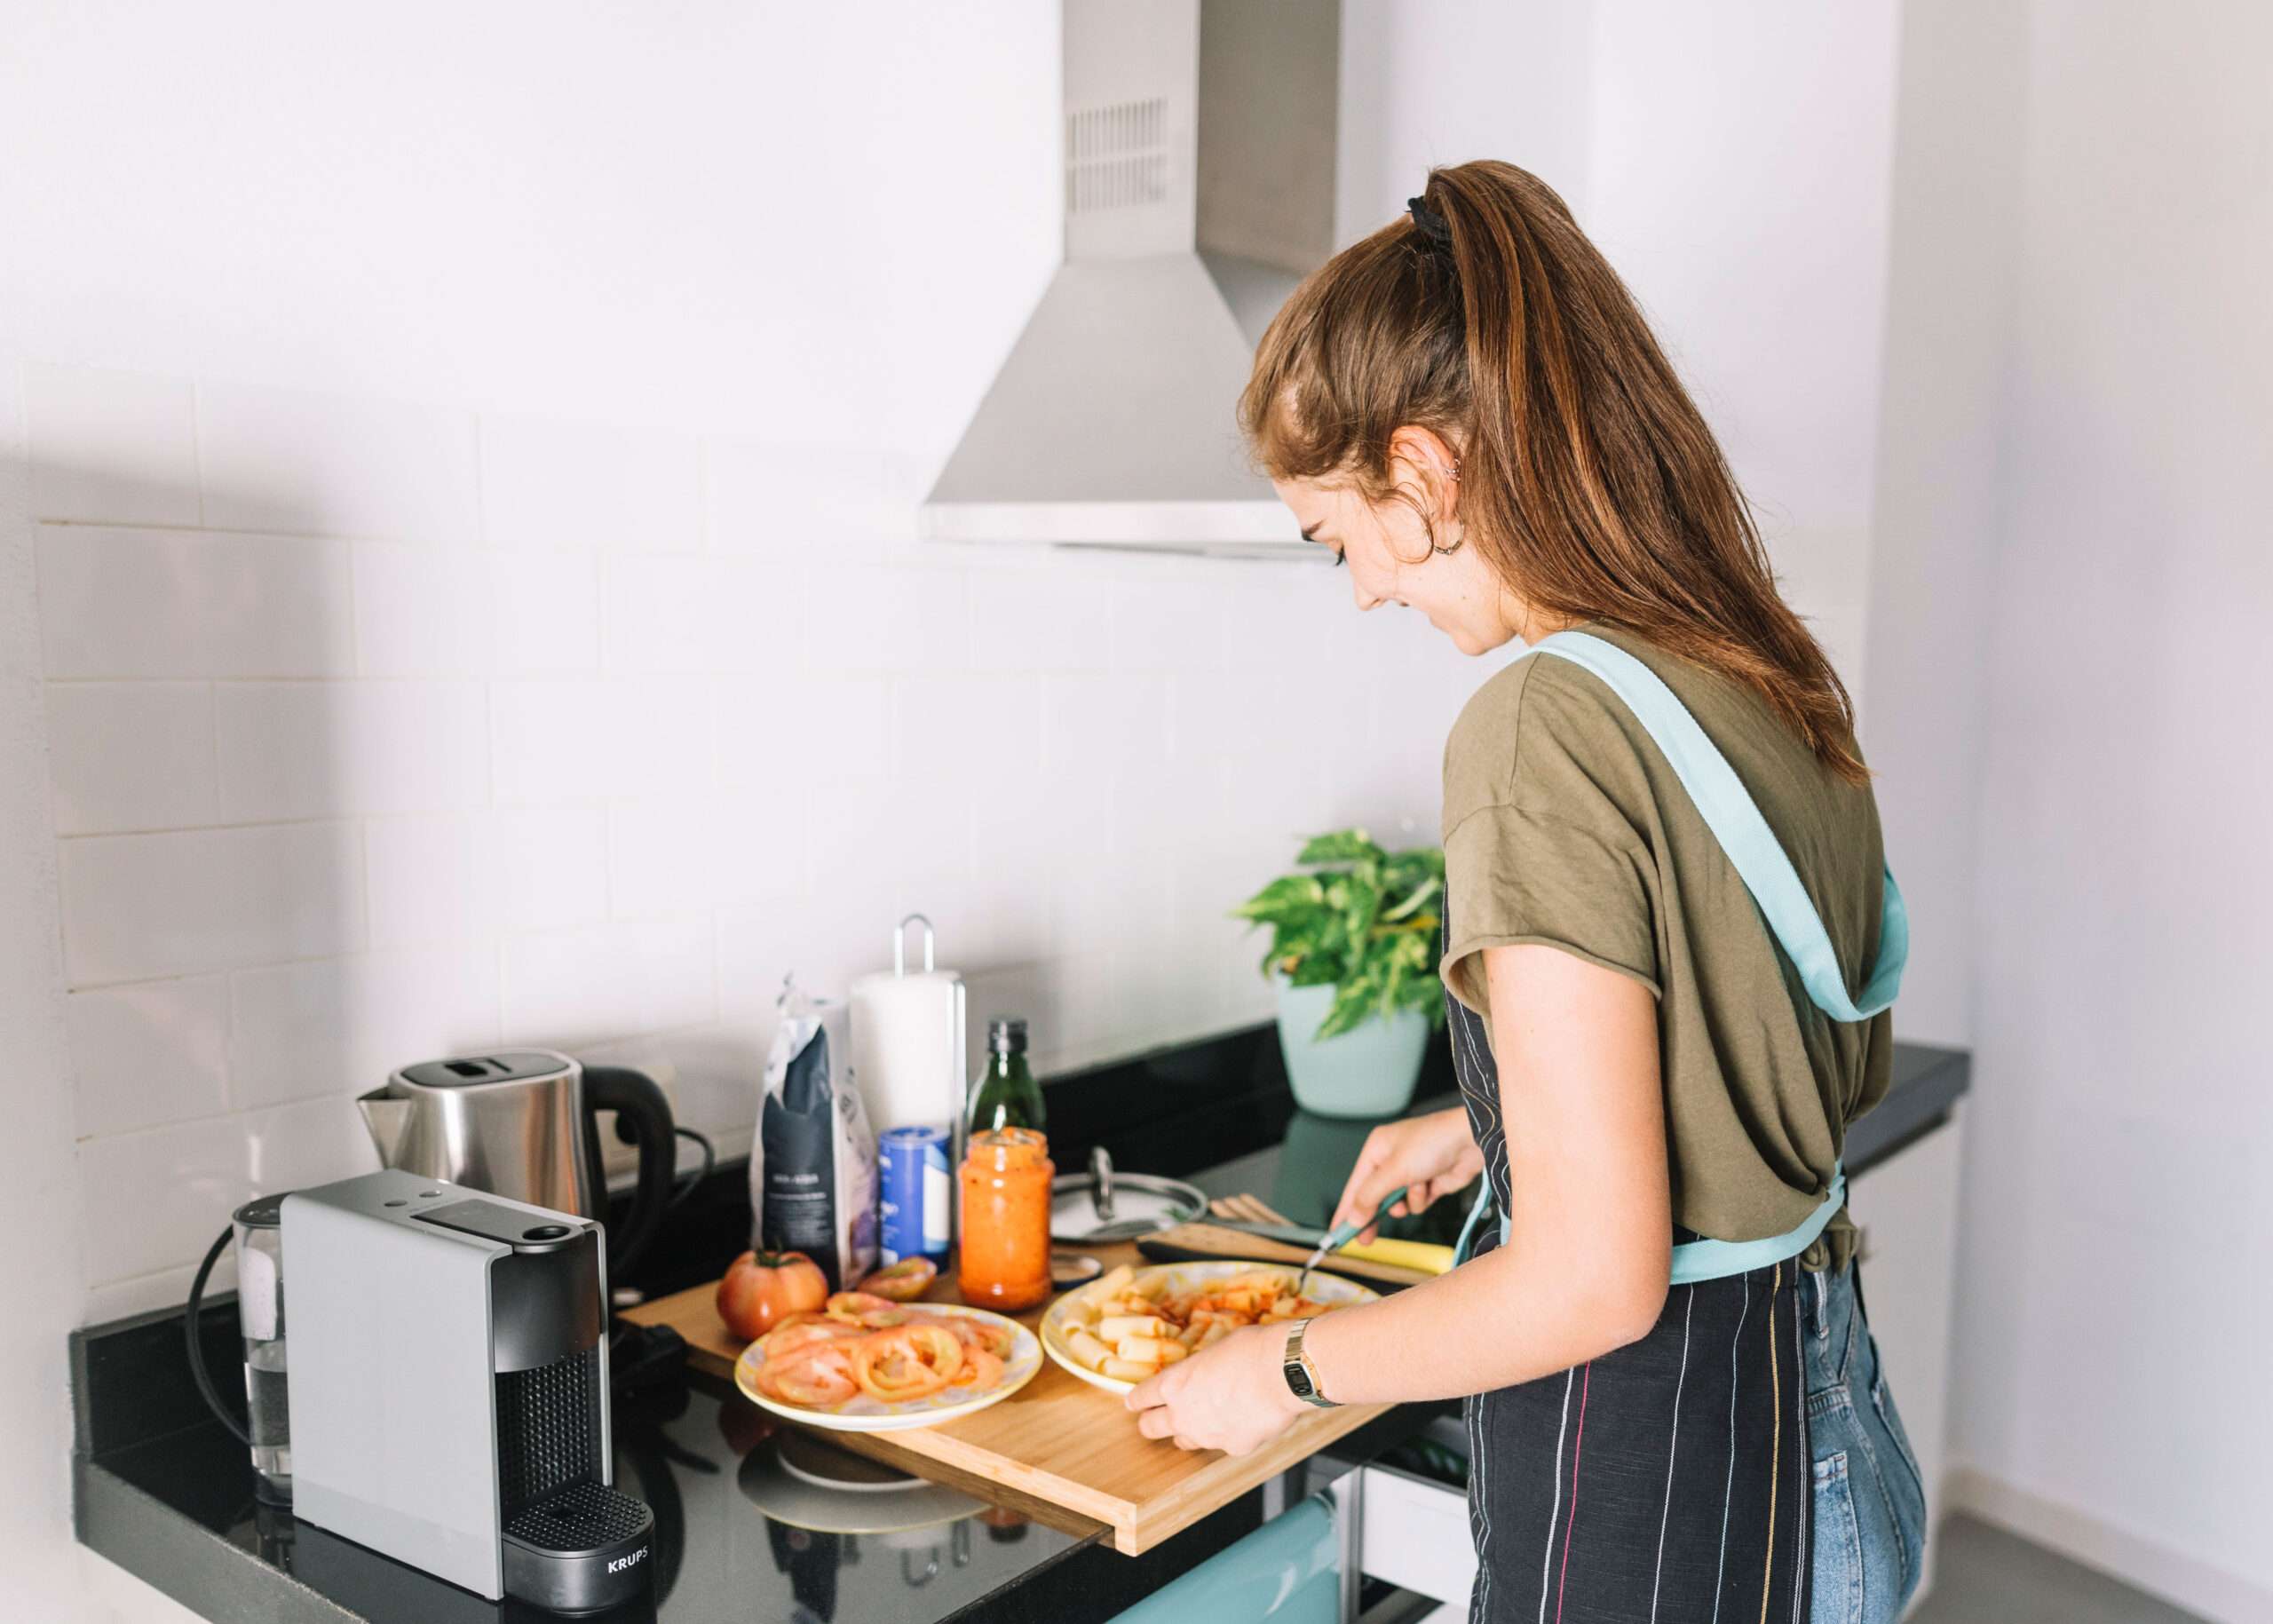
[[520, 1124]]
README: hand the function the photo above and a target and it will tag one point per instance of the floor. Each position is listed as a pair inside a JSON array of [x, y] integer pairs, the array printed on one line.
[[1984, 1575]]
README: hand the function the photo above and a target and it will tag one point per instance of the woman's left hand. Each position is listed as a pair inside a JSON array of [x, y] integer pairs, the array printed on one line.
[[1230, 1396]]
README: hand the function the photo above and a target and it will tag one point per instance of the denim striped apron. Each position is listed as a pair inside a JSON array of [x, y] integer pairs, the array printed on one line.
[[1679, 1491]]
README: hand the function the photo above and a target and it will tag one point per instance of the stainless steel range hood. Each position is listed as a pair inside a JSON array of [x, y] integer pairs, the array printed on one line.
[[1198, 162]]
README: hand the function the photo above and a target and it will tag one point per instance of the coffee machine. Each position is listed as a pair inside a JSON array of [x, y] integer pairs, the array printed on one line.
[[449, 1389]]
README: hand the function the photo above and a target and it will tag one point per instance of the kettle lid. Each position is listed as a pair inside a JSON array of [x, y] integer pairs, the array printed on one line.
[[478, 1071]]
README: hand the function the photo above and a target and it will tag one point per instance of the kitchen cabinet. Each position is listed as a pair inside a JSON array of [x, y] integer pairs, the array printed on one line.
[[1907, 1208]]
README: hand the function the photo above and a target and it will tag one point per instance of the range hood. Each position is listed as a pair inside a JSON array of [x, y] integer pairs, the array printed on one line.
[[1199, 163]]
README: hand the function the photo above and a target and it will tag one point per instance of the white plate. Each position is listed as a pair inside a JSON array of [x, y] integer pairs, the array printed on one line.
[[771, 1484], [1182, 1278], [863, 1414]]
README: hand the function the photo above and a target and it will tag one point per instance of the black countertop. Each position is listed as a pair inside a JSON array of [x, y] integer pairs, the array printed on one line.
[[167, 1494]]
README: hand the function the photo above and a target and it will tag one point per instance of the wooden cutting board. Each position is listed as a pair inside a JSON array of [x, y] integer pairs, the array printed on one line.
[[1064, 1453]]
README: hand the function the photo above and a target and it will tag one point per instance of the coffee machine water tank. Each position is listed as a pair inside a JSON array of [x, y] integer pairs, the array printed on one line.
[[449, 1389]]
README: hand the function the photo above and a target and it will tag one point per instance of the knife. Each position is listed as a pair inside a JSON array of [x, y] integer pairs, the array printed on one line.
[[1426, 1256]]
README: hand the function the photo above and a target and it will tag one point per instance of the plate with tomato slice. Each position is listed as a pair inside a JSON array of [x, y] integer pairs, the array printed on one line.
[[864, 1363]]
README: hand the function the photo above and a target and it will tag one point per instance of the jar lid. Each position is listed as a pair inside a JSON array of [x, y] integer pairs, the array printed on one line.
[[1011, 1147]]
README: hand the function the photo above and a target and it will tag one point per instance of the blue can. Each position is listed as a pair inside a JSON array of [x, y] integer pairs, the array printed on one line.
[[912, 1204]]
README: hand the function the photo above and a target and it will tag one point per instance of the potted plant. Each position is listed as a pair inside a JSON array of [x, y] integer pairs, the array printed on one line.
[[1353, 952]]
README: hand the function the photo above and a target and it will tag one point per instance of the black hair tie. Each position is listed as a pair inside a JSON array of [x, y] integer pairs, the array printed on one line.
[[1428, 223]]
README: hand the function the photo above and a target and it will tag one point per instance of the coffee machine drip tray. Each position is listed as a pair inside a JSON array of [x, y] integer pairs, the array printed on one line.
[[579, 1549]]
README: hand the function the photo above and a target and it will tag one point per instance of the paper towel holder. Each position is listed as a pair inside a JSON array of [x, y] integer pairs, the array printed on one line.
[[899, 944]]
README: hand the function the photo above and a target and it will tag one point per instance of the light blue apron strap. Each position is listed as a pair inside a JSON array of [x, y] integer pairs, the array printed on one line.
[[1704, 1260], [1713, 1260], [1730, 812], [1465, 1249]]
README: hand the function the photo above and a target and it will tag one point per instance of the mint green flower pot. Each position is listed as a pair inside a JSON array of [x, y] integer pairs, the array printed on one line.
[[1368, 1071]]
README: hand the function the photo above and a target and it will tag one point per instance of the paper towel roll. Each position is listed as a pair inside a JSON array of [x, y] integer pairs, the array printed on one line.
[[907, 1047]]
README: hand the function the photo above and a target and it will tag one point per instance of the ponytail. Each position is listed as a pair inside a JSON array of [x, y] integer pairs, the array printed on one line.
[[1588, 480]]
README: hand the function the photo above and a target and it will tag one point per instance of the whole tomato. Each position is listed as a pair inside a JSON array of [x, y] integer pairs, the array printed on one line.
[[763, 1286]]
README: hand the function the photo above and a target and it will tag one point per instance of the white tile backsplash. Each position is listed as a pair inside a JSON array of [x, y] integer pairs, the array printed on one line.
[[433, 877], [154, 1053], [550, 484], [130, 756], [341, 1025], [320, 465], [797, 503], [662, 614], [136, 907], [155, 1199], [423, 611], [544, 613], [381, 734], [158, 603], [600, 983], [331, 749], [111, 448], [552, 866]]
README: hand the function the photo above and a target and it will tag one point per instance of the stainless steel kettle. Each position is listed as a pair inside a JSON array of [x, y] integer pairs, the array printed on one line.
[[521, 1125]]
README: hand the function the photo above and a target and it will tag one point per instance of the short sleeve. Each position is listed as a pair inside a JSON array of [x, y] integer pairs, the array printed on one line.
[[1514, 875], [1544, 830]]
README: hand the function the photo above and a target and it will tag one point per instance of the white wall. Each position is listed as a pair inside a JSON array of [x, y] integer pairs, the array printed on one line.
[[390, 716], [462, 576], [1938, 492], [2113, 1322], [1733, 162]]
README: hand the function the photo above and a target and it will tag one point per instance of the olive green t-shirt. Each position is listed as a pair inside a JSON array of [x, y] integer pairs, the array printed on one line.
[[1564, 824]]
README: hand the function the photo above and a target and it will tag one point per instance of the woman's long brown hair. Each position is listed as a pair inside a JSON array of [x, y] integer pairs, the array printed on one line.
[[1587, 478]]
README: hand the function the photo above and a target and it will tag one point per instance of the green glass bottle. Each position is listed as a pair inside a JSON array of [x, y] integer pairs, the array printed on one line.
[[1004, 1094]]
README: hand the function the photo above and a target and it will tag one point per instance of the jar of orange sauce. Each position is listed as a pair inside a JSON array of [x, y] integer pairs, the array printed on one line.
[[1004, 1264]]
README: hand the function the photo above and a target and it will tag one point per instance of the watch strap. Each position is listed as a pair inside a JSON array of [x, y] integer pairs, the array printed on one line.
[[1301, 1372]]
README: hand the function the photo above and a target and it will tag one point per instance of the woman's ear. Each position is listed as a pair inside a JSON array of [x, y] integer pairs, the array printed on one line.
[[1420, 459]]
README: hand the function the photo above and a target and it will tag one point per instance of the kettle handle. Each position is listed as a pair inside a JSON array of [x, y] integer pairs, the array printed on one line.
[[642, 1112]]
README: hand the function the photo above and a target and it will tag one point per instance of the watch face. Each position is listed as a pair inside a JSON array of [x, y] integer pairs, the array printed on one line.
[[1299, 1379]]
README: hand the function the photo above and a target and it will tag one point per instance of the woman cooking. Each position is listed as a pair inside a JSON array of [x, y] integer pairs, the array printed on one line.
[[1670, 940]]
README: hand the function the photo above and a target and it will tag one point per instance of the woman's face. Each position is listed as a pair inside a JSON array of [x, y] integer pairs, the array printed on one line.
[[1388, 552]]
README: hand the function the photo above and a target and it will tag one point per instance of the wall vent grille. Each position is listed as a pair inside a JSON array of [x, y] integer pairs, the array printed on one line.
[[1116, 156]]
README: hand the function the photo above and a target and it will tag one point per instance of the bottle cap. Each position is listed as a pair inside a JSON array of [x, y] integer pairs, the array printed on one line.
[[1006, 1034]]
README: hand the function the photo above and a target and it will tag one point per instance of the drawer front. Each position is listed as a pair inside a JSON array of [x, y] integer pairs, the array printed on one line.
[[1286, 1571], [1415, 1535]]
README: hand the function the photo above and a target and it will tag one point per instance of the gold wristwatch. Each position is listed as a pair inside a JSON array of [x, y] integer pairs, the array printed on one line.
[[1302, 1374]]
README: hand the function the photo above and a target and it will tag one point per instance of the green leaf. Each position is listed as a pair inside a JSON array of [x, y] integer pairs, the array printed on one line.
[[1429, 888], [1364, 926], [1283, 896], [1342, 846]]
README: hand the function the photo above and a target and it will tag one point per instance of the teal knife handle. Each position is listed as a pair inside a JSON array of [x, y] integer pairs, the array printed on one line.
[[1344, 1233]]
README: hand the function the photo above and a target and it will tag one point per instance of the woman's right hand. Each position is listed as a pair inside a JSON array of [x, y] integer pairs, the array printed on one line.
[[1431, 1156]]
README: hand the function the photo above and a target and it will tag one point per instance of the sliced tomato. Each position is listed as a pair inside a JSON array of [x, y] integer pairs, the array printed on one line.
[[980, 1371], [783, 1339], [851, 1306], [824, 1376], [803, 1316], [837, 1352], [903, 1282], [906, 1361], [992, 1335]]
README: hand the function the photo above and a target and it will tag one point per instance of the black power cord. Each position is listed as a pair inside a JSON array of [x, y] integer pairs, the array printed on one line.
[[190, 1318], [709, 1163]]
